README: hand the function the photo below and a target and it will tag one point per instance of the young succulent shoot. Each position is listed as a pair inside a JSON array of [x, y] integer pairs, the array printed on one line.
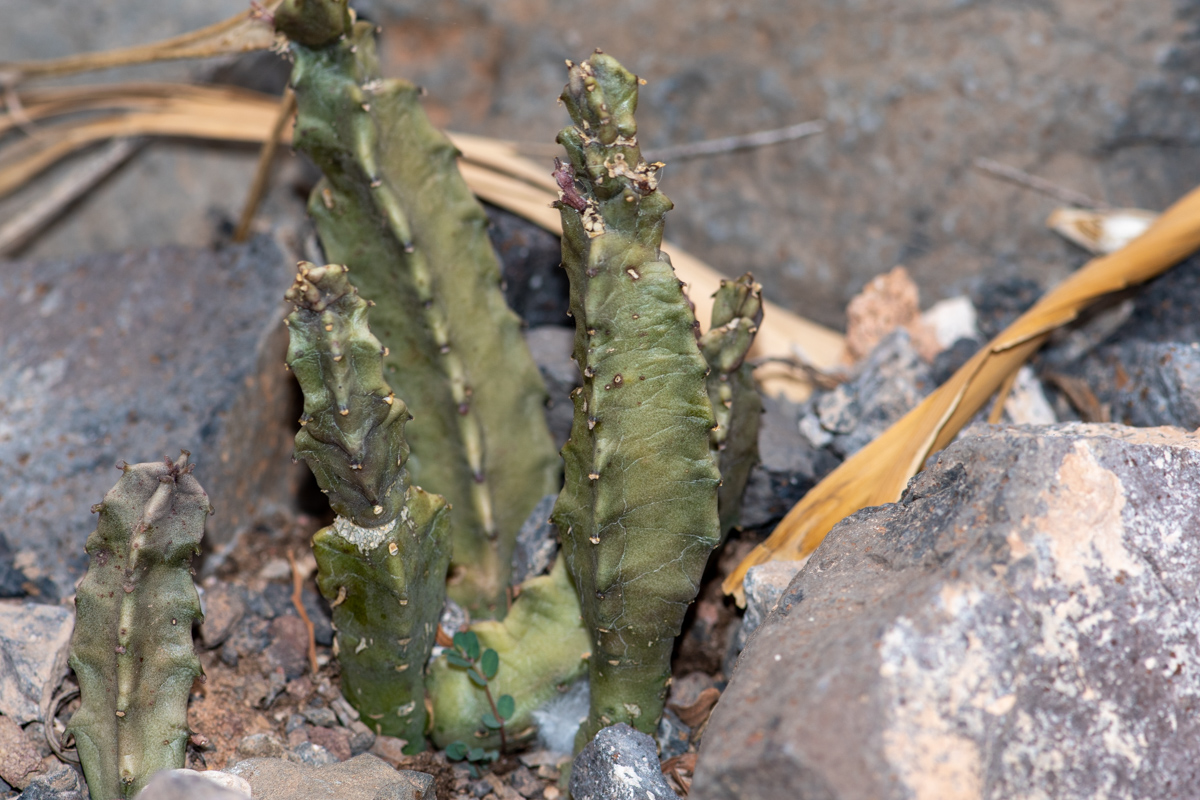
[[542, 648], [132, 645], [382, 564], [638, 512], [737, 405], [393, 206]]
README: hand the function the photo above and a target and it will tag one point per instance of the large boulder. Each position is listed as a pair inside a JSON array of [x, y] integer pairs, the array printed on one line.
[[1022, 623], [134, 357]]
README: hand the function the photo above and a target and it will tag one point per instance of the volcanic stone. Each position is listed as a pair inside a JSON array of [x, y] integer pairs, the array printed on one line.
[[135, 357], [1020, 624]]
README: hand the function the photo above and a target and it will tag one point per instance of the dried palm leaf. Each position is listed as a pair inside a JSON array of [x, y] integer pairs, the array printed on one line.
[[241, 33], [879, 472], [493, 169], [1101, 231]]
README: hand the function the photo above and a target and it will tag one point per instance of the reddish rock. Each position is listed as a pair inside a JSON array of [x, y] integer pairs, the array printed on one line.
[[19, 759], [335, 740], [288, 649]]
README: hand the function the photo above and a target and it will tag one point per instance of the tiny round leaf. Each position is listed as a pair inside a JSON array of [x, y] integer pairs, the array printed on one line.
[[490, 662]]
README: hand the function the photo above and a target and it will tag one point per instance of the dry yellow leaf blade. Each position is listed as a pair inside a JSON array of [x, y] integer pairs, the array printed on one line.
[[240, 33], [879, 472], [1100, 231], [250, 120]]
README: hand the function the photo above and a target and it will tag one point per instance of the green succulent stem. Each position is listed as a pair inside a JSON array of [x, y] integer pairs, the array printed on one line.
[[394, 208], [542, 647], [737, 405], [382, 564], [387, 587], [132, 646], [638, 511]]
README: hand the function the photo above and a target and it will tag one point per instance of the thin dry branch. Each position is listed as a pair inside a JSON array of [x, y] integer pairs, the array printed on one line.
[[1022, 178], [732, 144], [879, 472], [240, 33]]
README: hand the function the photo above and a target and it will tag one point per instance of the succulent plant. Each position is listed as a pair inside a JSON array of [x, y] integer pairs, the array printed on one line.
[[638, 512], [382, 564], [737, 405], [394, 208], [132, 645], [542, 646]]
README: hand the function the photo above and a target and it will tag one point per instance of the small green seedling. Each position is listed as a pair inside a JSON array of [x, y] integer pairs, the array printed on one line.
[[474, 756], [481, 666]]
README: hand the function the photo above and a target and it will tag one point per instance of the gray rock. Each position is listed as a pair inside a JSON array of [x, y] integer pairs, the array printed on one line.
[[362, 738], [323, 717], [187, 784], [1021, 623], [1147, 373], [363, 777], [33, 654], [537, 542], [890, 383], [59, 782], [312, 754], [260, 745], [790, 465], [535, 284], [551, 347], [621, 763], [224, 607], [672, 735], [166, 349], [764, 585], [1119, 127]]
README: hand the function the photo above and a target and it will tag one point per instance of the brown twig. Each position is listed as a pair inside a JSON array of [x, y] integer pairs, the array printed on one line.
[[1022, 178], [262, 174], [297, 601]]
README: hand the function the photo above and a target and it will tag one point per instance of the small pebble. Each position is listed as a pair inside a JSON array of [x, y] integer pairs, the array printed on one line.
[[275, 569], [322, 717], [362, 738], [524, 781], [260, 745], [314, 754]]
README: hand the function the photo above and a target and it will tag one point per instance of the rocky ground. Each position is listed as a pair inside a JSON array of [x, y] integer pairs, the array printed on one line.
[[1018, 624]]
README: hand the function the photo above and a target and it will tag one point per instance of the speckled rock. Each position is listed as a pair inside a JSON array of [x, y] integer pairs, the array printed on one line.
[[59, 782], [135, 357], [19, 759], [1146, 371], [620, 763], [1020, 624], [1099, 101], [890, 383], [33, 652], [363, 777]]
